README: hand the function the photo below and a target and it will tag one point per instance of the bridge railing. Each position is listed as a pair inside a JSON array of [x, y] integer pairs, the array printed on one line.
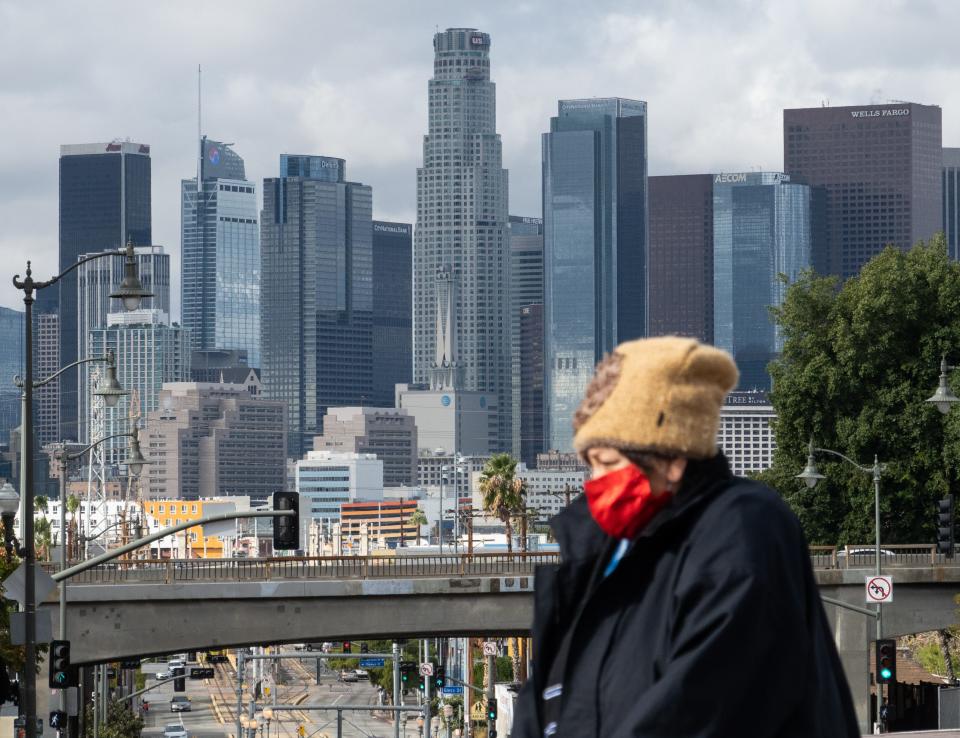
[[432, 565], [315, 567]]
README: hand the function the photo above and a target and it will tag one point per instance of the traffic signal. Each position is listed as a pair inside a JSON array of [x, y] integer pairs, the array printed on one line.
[[346, 647], [286, 530], [58, 719], [945, 540], [439, 677], [491, 709], [407, 670], [886, 661], [422, 683], [61, 672], [180, 683], [364, 647]]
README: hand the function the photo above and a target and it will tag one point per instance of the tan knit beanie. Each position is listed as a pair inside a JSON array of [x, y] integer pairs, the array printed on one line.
[[657, 394]]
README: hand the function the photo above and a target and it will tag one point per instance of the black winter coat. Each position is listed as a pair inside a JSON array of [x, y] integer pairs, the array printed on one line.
[[710, 626]]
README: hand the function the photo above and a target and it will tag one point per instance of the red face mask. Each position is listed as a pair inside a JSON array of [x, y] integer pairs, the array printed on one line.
[[622, 502]]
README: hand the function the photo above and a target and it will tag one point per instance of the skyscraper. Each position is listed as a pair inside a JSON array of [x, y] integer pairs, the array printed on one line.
[[392, 309], [531, 383], [220, 250], [763, 227], [46, 356], [317, 292], [951, 201], [880, 167], [461, 300], [526, 288], [595, 245], [95, 281], [681, 256], [149, 351], [11, 365], [104, 202]]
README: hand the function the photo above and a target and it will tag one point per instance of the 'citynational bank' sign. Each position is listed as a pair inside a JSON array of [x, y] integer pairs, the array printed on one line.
[[882, 113]]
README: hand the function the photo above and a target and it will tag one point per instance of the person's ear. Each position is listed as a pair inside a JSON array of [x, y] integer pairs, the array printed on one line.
[[674, 471]]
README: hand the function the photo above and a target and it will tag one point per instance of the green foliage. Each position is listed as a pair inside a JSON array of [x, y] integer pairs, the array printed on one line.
[[121, 722], [504, 494], [504, 671], [856, 367]]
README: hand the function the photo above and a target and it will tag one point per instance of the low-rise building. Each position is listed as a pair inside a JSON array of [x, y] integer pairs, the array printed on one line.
[[191, 543], [377, 524], [325, 480]]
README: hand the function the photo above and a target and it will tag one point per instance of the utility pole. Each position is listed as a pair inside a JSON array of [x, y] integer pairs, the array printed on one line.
[[426, 691], [396, 687], [491, 692]]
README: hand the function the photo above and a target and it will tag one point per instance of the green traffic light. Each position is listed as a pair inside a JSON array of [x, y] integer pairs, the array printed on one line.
[[886, 673], [60, 677]]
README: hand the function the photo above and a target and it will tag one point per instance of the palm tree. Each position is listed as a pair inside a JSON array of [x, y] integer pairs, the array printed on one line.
[[42, 538], [503, 492], [417, 519], [73, 505], [42, 505]]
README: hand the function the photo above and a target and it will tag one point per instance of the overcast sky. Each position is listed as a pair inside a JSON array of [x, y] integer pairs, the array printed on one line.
[[349, 79]]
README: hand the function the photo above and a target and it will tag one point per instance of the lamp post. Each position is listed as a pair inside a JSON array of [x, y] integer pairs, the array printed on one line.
[[811, 476], [130, 292]]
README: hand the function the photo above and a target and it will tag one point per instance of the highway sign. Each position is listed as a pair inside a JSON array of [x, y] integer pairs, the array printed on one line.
[[879, 589], [490, 648], [371, 663], [426, 669], [454, 689]]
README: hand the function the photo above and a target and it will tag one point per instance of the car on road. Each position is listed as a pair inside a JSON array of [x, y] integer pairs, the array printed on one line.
[[180, 703], [174, 730], [163, 675], [349, 675], [363, 674], [176, 664]]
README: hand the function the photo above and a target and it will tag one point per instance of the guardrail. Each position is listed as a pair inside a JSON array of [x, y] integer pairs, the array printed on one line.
[[166, 571]]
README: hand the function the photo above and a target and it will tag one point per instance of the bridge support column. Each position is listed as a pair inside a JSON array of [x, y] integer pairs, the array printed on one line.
[[853, 634]]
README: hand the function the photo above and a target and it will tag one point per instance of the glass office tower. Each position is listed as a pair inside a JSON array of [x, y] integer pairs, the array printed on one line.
[[317, 292], [220, 251], [96, 280], [880, 168], [951, 201], [762, 228], [595, 246], [392, 309], [104, 202]]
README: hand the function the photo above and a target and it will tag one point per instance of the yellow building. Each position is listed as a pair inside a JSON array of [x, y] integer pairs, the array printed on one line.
[[190, 543]]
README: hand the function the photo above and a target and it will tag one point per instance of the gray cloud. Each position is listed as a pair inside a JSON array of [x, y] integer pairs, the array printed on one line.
[[350, 80]]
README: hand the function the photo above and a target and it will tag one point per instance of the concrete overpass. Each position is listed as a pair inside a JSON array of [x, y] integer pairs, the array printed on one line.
[[139, 608]]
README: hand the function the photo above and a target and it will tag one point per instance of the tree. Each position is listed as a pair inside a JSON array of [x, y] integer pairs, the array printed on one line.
[[42, 505], [417, 518], [857, 364], [73, 549], [503, 492], [43, 538]]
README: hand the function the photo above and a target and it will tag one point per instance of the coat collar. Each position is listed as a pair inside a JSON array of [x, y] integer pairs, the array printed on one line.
[[581, 538]]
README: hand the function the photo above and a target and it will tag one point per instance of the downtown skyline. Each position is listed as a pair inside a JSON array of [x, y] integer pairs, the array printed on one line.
[[704, 116]]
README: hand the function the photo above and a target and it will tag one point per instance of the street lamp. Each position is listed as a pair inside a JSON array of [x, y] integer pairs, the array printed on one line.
[[130, 292], [268, 716], [944, 398], [811, 476], [109, 388]]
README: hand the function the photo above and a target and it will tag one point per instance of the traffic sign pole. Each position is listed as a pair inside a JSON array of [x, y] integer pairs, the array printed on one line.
[[426, 691]]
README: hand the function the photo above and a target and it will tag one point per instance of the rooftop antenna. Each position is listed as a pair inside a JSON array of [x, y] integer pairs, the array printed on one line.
[[199, 134]]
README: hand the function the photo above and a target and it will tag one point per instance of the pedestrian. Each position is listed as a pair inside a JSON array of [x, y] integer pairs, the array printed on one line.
[[684, 604]]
